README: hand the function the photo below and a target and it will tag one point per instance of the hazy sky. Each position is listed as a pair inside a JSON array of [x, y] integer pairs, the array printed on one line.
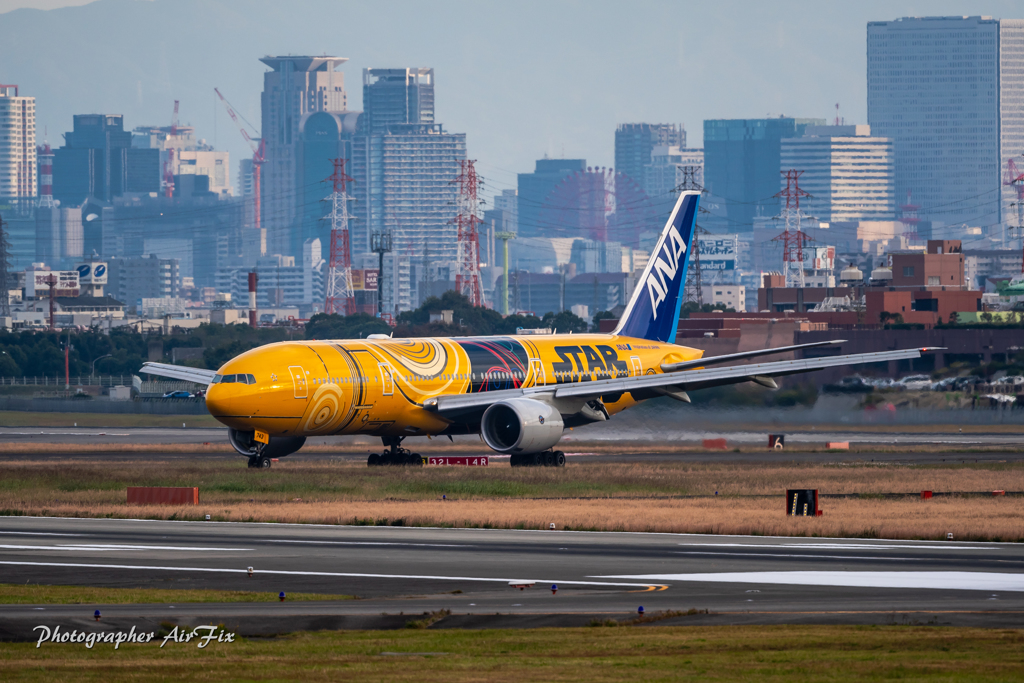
[[521, 79]]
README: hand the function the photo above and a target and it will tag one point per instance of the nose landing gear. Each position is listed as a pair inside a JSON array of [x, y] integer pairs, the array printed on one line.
[[394, 454], [259, 461]]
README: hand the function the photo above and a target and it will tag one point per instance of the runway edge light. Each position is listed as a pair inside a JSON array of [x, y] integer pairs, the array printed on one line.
[[554, 588], [281, 596], [96, 615], [249, 569]]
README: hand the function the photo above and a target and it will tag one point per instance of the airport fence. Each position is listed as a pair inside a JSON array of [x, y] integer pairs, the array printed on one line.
[[137, 406], [76, 381]]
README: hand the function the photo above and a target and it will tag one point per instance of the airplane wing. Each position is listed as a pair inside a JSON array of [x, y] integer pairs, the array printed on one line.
[[188, 374], [668, 382]]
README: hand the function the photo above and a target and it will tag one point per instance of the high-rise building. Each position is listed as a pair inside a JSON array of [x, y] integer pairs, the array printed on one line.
[[98, 161], [848, 173], [635, 143], [949, 92], [17, 144], [741, 167], [294, 90], [396, 96], [404, 165], [184, 155], [665, 172], [535, 187]]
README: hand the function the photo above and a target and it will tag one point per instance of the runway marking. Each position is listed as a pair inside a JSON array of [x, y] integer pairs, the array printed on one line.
[[419, 545], [824, 557], [103, 547], [840, 546], [36, 533], [283, 572], [917, 579]]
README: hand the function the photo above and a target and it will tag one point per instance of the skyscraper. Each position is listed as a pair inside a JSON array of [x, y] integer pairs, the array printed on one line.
[[741, 167], [949, 91], [393, 96], [98, 161], [634, 143], [295, 89], [17, 144], [847, 171], [404, 165]]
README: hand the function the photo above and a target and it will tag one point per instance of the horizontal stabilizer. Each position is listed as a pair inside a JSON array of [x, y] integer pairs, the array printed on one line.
[[729, 357], [197, 375]]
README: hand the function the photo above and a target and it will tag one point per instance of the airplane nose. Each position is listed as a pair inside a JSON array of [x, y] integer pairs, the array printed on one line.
[[217, 402]]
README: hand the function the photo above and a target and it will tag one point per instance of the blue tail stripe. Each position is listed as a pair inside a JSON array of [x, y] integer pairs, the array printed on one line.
[[653, 311]]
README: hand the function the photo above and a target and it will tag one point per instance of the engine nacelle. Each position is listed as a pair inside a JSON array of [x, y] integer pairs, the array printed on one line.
[[521, 425], [279, 446]]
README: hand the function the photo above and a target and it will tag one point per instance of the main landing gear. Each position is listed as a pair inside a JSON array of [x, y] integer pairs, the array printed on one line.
[[394, 454], [545, 459]]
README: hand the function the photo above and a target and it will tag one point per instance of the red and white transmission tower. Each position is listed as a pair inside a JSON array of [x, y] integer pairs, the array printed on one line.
[[467, 279], [909, 219], [340, 296], [793, 239], [1015, 179]]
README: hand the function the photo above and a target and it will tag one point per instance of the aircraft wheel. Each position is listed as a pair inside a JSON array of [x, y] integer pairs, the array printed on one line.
[[536, 460], [549, 459], [254, 461], [373, 460], [415, 460], [559, 459], [513, 460], [264, 463]]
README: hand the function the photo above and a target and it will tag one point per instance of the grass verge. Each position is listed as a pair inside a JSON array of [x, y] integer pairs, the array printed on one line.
[[22, 594], [765, 653], [652, 497]]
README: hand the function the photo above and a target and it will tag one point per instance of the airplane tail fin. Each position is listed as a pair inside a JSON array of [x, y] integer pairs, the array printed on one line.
[[653, 310]]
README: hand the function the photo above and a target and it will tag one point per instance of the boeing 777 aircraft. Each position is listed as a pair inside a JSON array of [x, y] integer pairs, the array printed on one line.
[[518, 392]]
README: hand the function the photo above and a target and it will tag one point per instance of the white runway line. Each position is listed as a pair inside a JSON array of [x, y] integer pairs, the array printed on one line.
[[937, 580], [103, 547], [416, 545], [839, 546], [36, 533], [902, 558], [79, 565]]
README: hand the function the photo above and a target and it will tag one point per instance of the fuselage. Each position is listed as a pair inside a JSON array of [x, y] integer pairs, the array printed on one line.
[[378, 386]]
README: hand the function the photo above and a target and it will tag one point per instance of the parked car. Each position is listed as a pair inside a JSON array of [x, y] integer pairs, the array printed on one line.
[[916, 382], [177, 394], [1012, 380]]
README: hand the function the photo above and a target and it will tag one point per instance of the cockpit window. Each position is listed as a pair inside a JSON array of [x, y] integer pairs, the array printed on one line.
[[251, 379], [217, 379], [234, 379]]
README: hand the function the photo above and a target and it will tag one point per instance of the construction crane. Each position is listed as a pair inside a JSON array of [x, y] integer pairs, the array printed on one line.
[[169, 163], [258, 158]]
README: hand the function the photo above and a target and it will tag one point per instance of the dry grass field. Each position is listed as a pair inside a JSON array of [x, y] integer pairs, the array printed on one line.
[[660, 653], [711, 498]]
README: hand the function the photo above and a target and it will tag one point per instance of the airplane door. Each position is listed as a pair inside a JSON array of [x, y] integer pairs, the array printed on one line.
[[299, 385], [638, 369], [537, 370], [387, 379]]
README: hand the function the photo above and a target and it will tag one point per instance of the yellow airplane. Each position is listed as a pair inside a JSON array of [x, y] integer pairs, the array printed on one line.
[[518, 392]]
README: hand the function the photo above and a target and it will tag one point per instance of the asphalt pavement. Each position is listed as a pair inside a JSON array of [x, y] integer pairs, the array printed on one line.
[[397, 573]]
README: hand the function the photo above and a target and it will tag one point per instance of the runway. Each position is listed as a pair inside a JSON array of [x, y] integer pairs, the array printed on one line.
[[397, 572]]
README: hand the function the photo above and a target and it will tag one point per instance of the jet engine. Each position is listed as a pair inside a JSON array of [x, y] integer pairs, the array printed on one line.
[[279, 446], [521, 425]]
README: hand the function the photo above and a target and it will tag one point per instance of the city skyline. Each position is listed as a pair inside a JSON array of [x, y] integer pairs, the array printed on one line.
[[791, 58]]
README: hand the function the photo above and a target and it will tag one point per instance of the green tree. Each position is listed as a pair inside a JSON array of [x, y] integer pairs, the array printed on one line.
[[333, 326]]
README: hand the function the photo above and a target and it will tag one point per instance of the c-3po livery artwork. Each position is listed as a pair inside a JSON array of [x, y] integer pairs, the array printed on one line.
[[518, 392]]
